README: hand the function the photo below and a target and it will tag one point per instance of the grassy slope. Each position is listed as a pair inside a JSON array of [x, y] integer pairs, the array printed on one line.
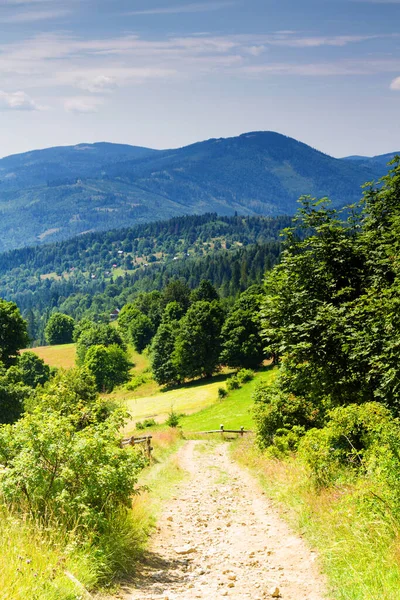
[[62, 356], [198, 400], [189, 398], [233, 412], [358, 548]]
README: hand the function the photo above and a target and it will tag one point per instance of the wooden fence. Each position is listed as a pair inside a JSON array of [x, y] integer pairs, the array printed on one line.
[[222, 430], [132, 441]]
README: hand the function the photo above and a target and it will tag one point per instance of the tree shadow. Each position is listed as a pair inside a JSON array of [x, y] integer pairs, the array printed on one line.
[[157, 573], [218, 378]]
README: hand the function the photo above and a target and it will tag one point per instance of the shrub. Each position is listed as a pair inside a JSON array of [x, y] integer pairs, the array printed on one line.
[[353, 439], [146, 423], [232, 383], [222, 393], [78, 478], [283, 418], [245, 375], [137, 381], [173, 419]]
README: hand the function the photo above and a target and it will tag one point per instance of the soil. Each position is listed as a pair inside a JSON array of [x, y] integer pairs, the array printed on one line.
[[220, 537]]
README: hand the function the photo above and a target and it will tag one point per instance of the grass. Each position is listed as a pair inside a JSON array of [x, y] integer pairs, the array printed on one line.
[[233, 412], [62, 356], [160, 479], [189, 398], [36, 563], [359, 548]]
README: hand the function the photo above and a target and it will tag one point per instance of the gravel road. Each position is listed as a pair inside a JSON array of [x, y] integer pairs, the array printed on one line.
[[220, 537]]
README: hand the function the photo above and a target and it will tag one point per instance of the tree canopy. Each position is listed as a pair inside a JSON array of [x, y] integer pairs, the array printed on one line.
[[13, 332], [59, 329], [331, 310]]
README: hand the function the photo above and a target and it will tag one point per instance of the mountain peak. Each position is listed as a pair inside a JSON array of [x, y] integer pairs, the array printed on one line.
[[55, 193]]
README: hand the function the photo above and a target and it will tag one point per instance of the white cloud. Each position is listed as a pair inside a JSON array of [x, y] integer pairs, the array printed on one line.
[[194, 7], [324, 69], [82, 104], [255, 50], [105, 79], [17, 101], [395, 85], [295, 41], [32, 16], [98, 66]]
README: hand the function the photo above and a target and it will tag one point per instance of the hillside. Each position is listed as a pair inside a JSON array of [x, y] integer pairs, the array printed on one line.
[[368, 161], [54, 194], [97, 272]]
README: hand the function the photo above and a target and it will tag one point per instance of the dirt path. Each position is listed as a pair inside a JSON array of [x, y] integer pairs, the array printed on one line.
[[221, 538]]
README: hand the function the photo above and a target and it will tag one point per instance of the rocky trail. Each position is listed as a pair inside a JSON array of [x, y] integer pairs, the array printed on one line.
[[221, 538]]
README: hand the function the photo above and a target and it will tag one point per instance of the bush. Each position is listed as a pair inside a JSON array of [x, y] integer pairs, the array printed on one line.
[[173, 419], [137, 381], [232, 383], [282, 418], [222, 393], [145, 424], [245, 375], [77, 478], [353, 439]]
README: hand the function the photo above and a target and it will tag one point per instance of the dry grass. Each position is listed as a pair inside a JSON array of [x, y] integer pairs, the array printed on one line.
[[357, 546], [62, 356]]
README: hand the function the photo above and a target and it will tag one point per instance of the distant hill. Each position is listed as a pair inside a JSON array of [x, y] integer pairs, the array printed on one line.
[[380, 159], [54, 194]]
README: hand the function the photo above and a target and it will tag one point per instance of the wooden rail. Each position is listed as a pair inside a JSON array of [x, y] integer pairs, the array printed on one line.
[[132, 441], [222, 430]]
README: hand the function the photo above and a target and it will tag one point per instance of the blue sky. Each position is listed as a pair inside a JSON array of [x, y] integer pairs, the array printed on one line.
[[166, 73]]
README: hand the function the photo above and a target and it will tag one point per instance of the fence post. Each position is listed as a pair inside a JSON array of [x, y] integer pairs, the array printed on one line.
[[222, 430], [149, 448], [242, 431]]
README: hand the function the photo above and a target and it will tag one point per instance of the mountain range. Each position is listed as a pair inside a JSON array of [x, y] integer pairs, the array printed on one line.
[[56, 193]]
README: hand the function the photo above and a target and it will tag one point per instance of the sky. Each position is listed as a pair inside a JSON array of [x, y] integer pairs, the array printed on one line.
[[167, 73]]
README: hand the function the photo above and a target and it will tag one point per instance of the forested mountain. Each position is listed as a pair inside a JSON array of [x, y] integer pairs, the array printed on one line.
[[379, 160], [92, 274], [54, 194]]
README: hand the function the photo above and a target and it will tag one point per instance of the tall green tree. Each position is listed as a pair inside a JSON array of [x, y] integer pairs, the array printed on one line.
[[13, 332], [198, 344], [59, 329], [242, 344], [99, 334], [205, 291], [109, 366], [177, 290], [141, 331], [13, 394], [164, 369], [332, 306], [33, 369]]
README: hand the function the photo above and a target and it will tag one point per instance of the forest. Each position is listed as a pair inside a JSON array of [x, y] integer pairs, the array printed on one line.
[[91, 275]]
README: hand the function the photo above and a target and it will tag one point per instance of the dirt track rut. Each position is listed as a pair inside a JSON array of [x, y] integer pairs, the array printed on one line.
[[220, 537]]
